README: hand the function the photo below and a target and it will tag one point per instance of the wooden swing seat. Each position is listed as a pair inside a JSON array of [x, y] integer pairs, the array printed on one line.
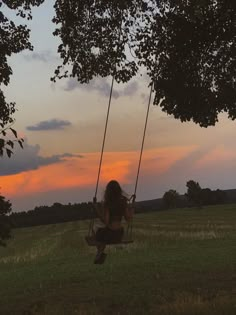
[[91, 241]]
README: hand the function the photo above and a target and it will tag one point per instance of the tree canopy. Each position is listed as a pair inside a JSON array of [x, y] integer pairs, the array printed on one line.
[[171, 199], [187, 47], [194, 193], [5, 223], [13, 39]]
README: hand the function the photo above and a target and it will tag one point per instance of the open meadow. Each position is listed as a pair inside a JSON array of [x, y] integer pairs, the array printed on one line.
[[182, 261]]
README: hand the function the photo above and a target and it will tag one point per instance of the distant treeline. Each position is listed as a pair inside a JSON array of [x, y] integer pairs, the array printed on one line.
[[52, 214], [197, 197], [58, 213]]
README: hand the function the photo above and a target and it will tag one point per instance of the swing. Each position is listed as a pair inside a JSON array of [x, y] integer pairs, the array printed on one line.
[[127, 238]]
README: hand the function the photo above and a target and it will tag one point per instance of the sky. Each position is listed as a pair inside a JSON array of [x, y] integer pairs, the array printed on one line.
[[63, 123]]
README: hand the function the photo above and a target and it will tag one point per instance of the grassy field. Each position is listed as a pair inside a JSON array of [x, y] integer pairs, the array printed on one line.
[[182, 262]]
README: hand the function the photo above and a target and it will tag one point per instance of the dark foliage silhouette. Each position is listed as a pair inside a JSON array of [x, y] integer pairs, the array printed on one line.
[[171, 199], [13, 39], [193, 194], [187, 48], [5, 222]]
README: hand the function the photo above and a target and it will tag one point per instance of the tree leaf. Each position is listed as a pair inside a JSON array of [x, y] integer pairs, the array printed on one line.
[[20, 143], [10, 143], [9, 152], [14, 132], [2, 143]]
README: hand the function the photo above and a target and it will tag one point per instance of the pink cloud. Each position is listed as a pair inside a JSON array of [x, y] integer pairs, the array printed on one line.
[[75, 172]]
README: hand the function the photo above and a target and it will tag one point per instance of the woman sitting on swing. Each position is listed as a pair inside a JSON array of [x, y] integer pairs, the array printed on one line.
[[115, 207]]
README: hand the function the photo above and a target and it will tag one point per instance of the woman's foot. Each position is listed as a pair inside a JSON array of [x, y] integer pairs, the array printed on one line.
[[100, 258]]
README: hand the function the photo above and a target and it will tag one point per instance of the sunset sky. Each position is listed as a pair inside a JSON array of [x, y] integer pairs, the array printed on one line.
[[63, 125]]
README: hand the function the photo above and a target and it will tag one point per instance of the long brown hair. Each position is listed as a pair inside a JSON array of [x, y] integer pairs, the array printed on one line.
[[113, 194]]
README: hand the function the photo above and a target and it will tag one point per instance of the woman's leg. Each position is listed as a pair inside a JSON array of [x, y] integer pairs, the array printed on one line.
[[100, 256], [100, 237], [100, 248]]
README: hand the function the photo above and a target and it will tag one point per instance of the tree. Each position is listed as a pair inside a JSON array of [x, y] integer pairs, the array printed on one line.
[[213, 197], [6, 143], [220, 196], [194, 193], [171, 199], [207, 196], [5, 223], [13, 39], [187, 47]]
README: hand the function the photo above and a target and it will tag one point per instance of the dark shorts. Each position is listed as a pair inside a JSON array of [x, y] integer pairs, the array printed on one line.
[[108, 236]]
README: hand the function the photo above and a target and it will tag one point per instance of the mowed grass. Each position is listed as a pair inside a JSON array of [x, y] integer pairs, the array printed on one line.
[[183, 261]]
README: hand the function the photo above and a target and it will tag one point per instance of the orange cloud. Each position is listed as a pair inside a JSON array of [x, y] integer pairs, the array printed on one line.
[[161, 159], [217, 156], [81, 172]]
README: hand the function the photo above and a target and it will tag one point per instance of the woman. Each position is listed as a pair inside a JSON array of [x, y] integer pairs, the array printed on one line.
[[115, 207]]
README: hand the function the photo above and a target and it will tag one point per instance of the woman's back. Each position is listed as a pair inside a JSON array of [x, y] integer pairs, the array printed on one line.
[[115, 204], [116, 209]]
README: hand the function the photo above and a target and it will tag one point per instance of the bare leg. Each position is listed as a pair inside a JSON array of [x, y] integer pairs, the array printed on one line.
[[100, 248], [100, 256]]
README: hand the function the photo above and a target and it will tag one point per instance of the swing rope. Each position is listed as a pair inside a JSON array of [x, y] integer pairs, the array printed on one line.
[[101, 158], [104, 139], [133, 197], [142, 146], [128, 234], [102, 149]]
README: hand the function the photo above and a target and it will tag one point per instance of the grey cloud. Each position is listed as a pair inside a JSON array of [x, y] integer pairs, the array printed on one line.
[[183, 170], [55, 158], [29, 159], [71, 85], [181, 166], [102, 87], [43, 56], [53, 124], [144, 97], [130, 89]]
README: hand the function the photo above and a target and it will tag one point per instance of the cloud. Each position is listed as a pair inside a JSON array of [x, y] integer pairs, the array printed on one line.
[[29, 159], [53, 124], [167, 117], [75, 178], [102, 87], [145, 98], [43, 56], [130, 89], [76, 174], [99, 85]]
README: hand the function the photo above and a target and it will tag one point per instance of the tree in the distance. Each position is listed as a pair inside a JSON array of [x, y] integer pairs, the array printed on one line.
[[5, 223], [213, 197], [171, 199], [194, 193]]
